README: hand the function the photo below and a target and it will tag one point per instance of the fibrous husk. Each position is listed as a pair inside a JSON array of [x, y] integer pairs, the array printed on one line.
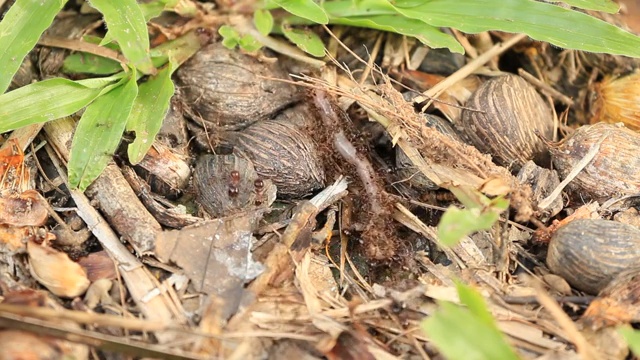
[[283, 153], [405, 166], [612, 172], [505, 117], [231, 90]]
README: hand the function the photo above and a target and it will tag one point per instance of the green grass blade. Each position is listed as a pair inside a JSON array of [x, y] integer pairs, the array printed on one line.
[[99, 132], [467, 334], [85, 63], [20, 30], [598, 5], [180, 49], [425, 33], [44, 101], [263, 21], [350, 8], [546, 22], [307, 9], [149, 10], [305, 39], [632, 337], [148, 112], [127, 25]]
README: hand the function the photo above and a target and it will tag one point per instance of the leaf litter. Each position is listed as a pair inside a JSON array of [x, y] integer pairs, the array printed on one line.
[[241, 287]]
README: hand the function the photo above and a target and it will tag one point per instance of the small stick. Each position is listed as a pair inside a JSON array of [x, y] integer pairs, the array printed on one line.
[[79, 45], [546, 202], [546, 88], [467, 70], [584, 349]]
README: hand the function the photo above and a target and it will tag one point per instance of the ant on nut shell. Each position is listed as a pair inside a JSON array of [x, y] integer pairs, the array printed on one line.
[[259, 188], [234, 182]]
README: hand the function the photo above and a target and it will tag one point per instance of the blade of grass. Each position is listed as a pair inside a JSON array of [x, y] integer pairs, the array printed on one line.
[[541, 21], [149, 10], [48, 100], [20, 30], [99, 132], [148, 112], [598, 5], [467, 333], [85, 63], [128, 26], [425, 33], [307, 9]]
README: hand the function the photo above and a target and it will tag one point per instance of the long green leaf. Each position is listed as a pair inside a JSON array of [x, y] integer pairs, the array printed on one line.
[[307, 9], [149, 10], [47, 100], [425, 33], [632, 337], [598, 5], [148, 112], [467, 334], [85, 63], [546, 22], [20, 30], [99, 132], [126, 23], [305, 39]]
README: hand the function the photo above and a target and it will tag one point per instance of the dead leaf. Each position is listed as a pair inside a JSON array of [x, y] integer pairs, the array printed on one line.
[[98, 265], [55, 271], [215, 255], [14, 238], [25, 209], [16, 344]]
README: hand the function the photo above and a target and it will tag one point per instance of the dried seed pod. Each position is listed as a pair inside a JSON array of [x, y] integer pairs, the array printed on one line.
[[614, 169], [589, 253], [617, 303], [502, 119], [408, 171], [213, 182], [618, 100], [231, 90], [283, 153]]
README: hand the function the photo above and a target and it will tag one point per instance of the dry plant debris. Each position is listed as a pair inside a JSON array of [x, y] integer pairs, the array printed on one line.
[[294, 216]]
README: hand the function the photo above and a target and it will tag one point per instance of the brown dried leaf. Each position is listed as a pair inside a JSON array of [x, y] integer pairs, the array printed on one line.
[[55, 271], [618, 303], [215, 255], [16, 344], [98, 265], [25, 209], [14, 238]]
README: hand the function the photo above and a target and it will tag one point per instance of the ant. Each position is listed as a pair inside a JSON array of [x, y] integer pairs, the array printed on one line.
[[234, 183], [259, 188]]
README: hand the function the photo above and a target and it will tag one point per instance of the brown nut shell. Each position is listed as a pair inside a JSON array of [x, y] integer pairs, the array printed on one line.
[[232, 90], [502, 118], [614, 169], [280, 151], [225, 184], [589, 253]]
